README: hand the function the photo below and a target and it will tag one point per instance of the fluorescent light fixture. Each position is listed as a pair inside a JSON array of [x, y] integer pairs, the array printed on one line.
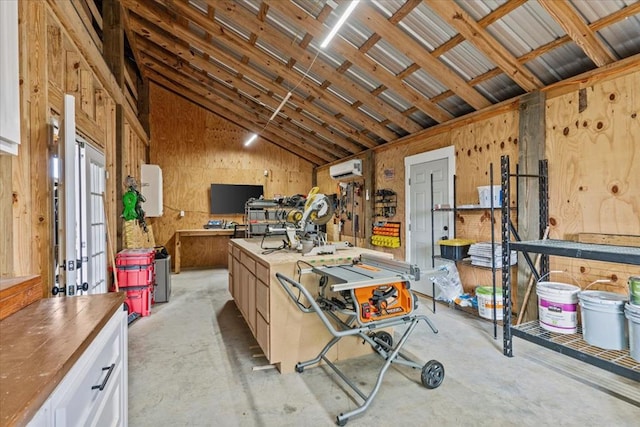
[[284, 101], [341, 21], [251, 139]]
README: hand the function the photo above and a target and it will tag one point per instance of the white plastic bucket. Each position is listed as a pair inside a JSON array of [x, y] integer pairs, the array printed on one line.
[[632, 313], [603, 323], [485, 302], [558, 307], [484, 195]]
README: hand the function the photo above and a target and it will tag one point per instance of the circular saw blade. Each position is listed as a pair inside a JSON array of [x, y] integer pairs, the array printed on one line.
[[323, 214]]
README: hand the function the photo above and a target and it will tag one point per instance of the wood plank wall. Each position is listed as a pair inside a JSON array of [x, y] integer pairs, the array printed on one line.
[[593, 154], [195, 148], [477, 144], [51, 65], [594, 178]]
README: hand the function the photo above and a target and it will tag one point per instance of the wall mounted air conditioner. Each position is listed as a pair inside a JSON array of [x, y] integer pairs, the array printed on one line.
[[346, 170]]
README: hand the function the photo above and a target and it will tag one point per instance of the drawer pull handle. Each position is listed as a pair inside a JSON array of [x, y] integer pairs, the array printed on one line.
[[104, 382]]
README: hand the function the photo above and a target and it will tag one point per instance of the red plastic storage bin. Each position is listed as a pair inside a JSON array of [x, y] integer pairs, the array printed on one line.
[[135, 267], [135, 257], [139, 300], [135, 275]]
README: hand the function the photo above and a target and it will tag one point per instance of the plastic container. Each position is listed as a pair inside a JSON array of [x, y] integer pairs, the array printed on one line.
[[135, 257], [485, 302], [135, 275], [558, 307], [634, 290], [484, 195], [454, 249], [603, 323], [139, 300], [632, 313]]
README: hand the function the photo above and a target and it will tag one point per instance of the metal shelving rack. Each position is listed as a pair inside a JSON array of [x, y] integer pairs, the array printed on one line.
[[455, 209], [616, 361]]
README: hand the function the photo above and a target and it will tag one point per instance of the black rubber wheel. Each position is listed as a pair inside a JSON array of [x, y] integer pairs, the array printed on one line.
[[299, 369], [385, 337], [432, 374], [341, 422]]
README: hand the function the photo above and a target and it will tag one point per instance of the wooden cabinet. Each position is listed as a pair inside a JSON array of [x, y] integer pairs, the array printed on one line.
[[244, 286], [9, 78], [93, 393], [283, 332], [72, 372]]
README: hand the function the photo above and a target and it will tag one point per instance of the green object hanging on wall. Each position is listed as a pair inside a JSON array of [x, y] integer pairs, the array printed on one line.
[[130, 200]]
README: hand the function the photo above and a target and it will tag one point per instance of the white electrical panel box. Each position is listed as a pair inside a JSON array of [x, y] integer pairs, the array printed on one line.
[[151, 183]]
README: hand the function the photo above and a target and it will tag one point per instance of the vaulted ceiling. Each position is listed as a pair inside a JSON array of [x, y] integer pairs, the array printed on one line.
[[395, 68]]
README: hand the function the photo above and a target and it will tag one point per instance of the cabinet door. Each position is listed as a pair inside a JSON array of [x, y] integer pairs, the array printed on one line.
[[237, 273], [262, 336], [243, 303], [109, 411], [251, 303], [262, 299], [42, 418], [75, 400]]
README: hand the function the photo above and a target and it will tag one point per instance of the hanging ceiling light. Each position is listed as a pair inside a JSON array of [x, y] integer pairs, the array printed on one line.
[[284, 101], [252, 138], [341, 21]]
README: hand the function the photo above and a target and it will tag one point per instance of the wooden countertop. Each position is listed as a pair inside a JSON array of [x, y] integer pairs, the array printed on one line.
[[289, 256], [40, 343], [205, 232]]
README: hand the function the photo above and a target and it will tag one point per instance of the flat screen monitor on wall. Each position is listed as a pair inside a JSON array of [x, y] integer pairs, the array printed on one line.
[[230, 198]]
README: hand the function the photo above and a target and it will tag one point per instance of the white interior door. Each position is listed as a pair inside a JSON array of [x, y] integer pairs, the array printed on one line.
[[438, 164]]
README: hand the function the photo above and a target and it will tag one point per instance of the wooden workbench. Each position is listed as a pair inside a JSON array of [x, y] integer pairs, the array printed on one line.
[[41, 343], [221, 237], [284, 333]]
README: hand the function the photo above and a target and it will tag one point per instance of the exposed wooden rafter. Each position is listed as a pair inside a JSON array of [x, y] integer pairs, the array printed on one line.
[[566, 16], [455, 16], [423, 58], [345, 99], [149, 32], [356, 57], [160, 61]]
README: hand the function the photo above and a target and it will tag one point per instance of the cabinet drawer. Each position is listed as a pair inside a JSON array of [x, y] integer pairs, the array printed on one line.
[[248, 262], [262, 273], [236, 252], [109, 411], [262, 299], [262, 335], [74, 401]]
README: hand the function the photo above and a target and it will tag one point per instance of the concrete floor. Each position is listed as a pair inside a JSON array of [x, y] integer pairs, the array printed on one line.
[[191, 363]]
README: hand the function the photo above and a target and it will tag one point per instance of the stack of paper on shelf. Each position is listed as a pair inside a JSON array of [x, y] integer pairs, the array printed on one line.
[[481, 255]]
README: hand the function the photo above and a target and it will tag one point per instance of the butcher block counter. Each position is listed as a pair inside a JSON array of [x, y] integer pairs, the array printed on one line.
[[285, 334], [43, 344]]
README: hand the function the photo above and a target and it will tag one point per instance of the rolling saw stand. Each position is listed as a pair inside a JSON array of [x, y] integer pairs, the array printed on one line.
[[363, 298]]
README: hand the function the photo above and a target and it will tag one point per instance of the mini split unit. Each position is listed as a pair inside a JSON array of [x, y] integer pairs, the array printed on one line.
[[346, 170]]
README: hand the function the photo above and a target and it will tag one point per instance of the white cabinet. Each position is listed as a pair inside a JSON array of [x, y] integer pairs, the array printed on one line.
[[9, 78], [94, 391], [151, 183]]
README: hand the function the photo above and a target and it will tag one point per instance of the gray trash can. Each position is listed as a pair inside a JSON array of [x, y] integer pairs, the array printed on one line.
[[162, 290]]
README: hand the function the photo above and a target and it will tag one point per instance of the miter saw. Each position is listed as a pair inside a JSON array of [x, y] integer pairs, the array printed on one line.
[[317, 210]]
